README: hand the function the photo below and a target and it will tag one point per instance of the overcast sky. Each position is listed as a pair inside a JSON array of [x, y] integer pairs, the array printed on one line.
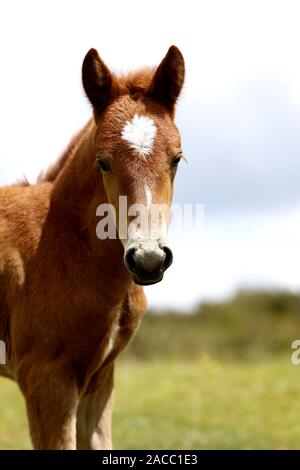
[[239, 117]]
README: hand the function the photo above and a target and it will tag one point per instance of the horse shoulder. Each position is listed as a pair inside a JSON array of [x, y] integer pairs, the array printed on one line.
[[22, 211]]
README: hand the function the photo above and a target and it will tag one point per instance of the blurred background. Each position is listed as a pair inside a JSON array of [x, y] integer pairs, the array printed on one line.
[[211, 366]]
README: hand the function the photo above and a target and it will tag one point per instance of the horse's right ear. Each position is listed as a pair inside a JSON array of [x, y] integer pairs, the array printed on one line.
[[97, 80]]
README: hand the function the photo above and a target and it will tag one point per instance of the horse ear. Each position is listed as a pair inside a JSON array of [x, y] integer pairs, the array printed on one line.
[[97, 80], [168, 79]]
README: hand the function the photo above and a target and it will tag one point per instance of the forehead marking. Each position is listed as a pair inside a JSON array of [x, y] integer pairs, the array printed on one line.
[[140, 133]]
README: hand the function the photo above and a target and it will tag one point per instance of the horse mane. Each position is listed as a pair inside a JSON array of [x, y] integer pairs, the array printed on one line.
[[134, 83], [23, 181], [55, 168]]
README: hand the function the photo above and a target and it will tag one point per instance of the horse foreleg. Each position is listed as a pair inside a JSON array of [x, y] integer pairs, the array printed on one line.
[[51, 400], [94, 416]]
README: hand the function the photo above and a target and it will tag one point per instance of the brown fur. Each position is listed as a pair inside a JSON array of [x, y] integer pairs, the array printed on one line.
[[68, 305]]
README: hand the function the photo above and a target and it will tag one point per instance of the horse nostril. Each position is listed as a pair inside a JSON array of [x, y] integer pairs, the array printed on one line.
[[168, 258], [129, 259]]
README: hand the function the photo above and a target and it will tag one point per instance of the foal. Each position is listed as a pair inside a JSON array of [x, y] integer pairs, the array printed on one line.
[[69, 301]]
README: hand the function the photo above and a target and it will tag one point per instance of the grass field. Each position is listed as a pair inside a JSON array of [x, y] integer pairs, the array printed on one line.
[[184, 404]]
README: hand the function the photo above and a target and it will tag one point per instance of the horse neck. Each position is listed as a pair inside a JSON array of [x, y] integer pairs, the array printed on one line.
[[77, 193], [78, 182]]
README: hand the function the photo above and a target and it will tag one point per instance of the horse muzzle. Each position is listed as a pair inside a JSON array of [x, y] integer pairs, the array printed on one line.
[[147, 260]]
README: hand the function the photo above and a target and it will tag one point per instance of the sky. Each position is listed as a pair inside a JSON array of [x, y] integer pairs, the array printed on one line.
[[239, 117]]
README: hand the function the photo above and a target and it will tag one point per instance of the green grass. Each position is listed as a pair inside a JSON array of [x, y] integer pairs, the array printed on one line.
[[13, 425], [184, 404], [253, 325]]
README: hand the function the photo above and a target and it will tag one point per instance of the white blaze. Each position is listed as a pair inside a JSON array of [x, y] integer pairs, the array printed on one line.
[[148, 197], [140, 133]]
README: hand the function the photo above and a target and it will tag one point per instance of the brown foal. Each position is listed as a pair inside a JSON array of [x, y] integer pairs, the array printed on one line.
[[71, 299]]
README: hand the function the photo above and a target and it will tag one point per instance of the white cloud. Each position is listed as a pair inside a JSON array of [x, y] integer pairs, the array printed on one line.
[[234, 251]]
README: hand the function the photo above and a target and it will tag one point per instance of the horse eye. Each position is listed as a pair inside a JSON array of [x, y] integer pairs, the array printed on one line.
[[104, 166], [175, 161]]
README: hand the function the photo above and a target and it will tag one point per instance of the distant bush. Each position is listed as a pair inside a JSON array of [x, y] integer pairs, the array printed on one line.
[[252, 325]]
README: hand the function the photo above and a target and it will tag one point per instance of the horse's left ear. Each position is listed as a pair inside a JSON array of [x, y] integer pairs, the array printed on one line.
[[168, 79]]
